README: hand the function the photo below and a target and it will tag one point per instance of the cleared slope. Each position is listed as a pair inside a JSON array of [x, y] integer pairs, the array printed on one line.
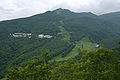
[[83, 44], [65, 34]]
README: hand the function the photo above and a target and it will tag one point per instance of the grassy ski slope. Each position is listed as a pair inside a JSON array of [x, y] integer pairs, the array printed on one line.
[[83, 44]]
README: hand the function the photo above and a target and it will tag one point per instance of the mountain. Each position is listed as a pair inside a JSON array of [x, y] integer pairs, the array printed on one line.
[[62, 32], [113, 17], [68, 14]]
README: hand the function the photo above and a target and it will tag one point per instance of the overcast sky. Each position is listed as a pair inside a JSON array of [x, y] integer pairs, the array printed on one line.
[[11, 9]]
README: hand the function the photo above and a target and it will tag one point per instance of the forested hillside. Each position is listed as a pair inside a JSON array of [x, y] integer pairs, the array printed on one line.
[[64, 34], [102, 64]]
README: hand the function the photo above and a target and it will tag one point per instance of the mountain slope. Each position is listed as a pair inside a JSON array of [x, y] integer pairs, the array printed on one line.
[[112, 17], [68, 31]]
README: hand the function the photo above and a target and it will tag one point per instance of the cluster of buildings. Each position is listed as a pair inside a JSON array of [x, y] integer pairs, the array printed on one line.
[[29, 35], [44, 36], [22, 35]]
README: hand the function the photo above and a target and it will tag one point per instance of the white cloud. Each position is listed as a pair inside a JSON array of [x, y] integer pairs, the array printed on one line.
[[10, 9]]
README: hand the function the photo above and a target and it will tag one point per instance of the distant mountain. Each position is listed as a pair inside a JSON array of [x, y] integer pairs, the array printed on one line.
[[68, 14], [113, 17], [70, 33]]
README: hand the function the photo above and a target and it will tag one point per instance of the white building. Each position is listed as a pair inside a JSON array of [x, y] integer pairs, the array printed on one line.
[[96, 45], [47, 36], [22, 35], [41, 36], [44, 36]]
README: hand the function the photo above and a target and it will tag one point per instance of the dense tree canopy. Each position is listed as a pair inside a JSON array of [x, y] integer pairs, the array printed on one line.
[[102, 64]]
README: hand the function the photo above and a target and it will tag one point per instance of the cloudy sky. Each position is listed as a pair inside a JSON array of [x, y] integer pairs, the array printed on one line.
[[11, 9]]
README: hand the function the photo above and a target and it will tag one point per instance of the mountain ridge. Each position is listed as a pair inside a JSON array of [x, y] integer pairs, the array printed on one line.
[[67, 10]]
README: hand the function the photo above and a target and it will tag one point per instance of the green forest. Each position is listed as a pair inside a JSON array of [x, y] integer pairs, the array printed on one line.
[[82, 46], [102, 64]]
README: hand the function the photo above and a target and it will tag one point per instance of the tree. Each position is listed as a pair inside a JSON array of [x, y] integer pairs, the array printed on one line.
[[36, 69], [102, 64]]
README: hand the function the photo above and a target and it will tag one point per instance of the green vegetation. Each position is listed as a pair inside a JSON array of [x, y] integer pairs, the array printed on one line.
[[4, 79], [65, 34], [78, 32], [83, 44], [102, 64]]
